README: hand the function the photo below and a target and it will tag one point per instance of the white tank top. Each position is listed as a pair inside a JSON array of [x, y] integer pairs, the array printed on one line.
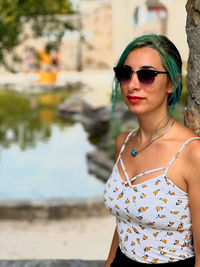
[[153, 218]]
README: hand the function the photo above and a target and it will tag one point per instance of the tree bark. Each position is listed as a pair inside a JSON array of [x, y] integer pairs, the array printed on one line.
[[192, 112]]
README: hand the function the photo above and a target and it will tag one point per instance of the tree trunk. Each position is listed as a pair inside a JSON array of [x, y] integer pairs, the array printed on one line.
[[192, 112]]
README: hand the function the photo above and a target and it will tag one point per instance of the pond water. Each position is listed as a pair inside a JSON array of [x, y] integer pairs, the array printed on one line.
[[44, 158]]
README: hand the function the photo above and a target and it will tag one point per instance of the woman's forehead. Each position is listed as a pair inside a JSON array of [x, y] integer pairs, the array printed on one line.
[[144, 56]]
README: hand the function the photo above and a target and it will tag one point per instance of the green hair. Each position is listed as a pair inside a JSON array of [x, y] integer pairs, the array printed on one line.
[[170, 59]]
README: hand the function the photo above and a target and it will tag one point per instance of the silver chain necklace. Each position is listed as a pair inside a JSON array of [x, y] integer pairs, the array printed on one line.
[[134, 152]]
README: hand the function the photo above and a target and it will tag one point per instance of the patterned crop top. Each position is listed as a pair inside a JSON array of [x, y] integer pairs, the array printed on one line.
[[153, 218]]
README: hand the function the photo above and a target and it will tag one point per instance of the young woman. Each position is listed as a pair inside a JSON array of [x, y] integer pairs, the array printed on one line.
[[154, 188]]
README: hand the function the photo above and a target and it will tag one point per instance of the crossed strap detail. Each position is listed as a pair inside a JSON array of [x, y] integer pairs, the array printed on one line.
[[164, 168]]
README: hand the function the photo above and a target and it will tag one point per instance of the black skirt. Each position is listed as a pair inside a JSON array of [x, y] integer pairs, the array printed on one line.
[[122, 261]]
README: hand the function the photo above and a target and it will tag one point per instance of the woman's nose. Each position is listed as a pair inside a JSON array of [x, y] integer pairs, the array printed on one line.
[[134, 83]]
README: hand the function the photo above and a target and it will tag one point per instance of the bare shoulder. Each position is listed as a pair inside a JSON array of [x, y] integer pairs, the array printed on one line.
[[194, 143], [183, 133], [193, 151], [191, 155], [120, 140]]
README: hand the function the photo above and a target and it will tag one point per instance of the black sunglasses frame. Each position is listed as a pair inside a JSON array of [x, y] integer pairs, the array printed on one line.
[[124, 74]]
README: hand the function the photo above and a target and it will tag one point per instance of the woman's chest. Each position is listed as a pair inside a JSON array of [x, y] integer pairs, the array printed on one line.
[[156, 201]]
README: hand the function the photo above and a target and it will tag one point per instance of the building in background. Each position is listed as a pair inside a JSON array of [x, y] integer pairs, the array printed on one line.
[[105, 27], [92, 46], [138, 17], [89, 46]]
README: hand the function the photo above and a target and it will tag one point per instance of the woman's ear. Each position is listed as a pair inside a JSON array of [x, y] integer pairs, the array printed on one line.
[[170, 88]]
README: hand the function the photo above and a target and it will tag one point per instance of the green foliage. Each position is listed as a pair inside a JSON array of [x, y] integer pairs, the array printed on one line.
[[42, 15], [32, 8], [183, 98], [22, 115], [17, 116]]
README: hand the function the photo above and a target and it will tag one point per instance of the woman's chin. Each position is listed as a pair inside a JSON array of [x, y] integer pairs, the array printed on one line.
[[137, 110]]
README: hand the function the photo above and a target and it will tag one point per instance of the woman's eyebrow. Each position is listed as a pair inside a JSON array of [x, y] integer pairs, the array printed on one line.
[[127, 66], [148, 67]]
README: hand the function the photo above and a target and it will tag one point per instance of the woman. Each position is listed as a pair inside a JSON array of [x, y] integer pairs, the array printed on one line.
[[154, 188]]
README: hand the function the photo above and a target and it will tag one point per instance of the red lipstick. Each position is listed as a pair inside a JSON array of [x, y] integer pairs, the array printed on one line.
[[135, 99]]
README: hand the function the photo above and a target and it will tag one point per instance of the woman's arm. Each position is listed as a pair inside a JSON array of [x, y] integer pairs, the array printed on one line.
[[115, 241], [113, 249], [193, 181]]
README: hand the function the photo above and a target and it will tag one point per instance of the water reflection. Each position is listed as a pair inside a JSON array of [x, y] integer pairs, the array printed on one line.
[[26, 119], [42, 157]]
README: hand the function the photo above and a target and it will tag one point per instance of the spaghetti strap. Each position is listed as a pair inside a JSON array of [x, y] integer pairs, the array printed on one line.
[[123, 146], [125, 172], [147, 172], [178, 153], [119, 158]]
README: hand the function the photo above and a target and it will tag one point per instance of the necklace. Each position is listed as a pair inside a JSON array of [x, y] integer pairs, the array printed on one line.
[[134, 152]]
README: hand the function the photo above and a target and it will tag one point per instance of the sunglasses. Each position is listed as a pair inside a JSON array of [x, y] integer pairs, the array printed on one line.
[[145, 76]]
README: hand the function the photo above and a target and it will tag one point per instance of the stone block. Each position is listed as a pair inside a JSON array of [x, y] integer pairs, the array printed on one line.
[[51, 263]]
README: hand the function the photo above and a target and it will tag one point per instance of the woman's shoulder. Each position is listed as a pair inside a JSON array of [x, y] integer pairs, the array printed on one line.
[[191, 156], [184, 132], [192, 149], [121, 139]]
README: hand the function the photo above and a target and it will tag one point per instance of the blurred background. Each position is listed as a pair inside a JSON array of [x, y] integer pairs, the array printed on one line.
[[56, 132]]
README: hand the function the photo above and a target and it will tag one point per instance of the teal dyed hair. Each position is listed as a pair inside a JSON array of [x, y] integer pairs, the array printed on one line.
[[170, 59]]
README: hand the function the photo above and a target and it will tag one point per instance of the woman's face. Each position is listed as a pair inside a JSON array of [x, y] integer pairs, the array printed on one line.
[[144, 98]]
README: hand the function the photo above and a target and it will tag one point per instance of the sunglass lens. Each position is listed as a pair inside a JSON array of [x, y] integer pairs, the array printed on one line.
[[122, 73], [146, 77]]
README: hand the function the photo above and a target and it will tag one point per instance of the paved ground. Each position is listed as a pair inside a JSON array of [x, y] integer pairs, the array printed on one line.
[[85, 238]]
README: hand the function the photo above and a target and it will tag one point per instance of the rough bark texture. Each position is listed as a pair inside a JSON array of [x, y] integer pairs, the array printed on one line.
[[192, 112]]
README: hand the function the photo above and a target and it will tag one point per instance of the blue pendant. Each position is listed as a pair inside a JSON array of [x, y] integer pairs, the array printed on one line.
[[134, 153]]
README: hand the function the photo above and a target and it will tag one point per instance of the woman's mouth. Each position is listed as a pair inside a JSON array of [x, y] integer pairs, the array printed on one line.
[[135, 99]]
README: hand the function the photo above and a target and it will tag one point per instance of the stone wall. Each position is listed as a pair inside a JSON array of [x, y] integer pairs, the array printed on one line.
[[97, 51], [47, 210], [51, 263]]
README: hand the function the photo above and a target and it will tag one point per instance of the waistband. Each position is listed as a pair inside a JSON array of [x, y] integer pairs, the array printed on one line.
[[122, 260]]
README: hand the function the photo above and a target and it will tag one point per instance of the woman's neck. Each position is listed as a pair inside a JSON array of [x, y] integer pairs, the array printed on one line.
[[151, 125]]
